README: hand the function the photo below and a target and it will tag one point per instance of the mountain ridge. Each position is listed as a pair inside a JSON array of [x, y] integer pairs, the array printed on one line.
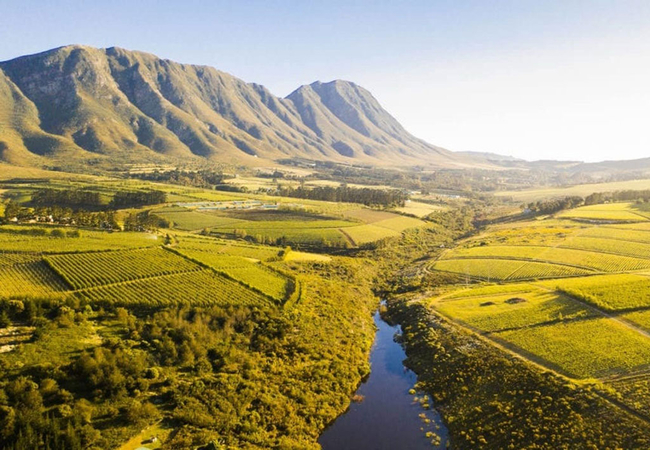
[[90, 105]]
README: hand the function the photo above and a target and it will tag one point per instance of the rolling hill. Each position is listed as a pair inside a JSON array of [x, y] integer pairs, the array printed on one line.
[[78, 104]]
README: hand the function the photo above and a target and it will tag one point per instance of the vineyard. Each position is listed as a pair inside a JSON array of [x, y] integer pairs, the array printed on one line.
[[513, 310], [132, 269], [616, 212], [608, 292], [36, 239], [34, 279], [226, 247], [199, 288], [588, 317], [84, 270], [583, 348], [252, 274], [506, 269]]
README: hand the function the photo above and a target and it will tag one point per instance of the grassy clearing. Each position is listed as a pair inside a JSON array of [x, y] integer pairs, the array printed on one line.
[[506, 311], [62, 345], [420, 209], [363, 234], [584, 348], [85, 270], [195, 220], [546, 233], [306, 257]]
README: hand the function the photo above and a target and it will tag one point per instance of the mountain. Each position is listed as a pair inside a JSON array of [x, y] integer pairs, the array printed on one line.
[[110, 106]]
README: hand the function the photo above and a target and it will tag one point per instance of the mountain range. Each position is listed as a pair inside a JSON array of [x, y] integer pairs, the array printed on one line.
[[92, 106]]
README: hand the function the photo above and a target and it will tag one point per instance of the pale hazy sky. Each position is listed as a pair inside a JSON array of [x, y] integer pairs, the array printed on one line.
[[537, 79]]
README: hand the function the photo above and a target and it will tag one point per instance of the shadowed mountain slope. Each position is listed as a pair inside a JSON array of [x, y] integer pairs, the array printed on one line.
[[80, 103]]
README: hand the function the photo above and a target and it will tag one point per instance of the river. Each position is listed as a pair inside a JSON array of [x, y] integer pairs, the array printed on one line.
[[388, 417]]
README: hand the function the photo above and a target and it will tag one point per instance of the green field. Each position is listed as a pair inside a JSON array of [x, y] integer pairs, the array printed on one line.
[[614, 212], [588, 316], [607, 245], [580, 258], [84, 270], [24, 239], [582, 190], [250, 273], [226, 247], [619, 233], [194, 220], [199, 288], [34, 279], [506, 269], [583, 348], [608, 292], [500, 312]]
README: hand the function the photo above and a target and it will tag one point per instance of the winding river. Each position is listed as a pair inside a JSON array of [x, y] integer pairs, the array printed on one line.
[[388, 417]]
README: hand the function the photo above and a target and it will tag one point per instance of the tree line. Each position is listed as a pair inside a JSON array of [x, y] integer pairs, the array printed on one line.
[[199, 178], [343, 193]]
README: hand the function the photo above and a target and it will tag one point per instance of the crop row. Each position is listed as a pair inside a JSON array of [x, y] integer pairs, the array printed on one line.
[[507, 311], [251, 274], [224, 247], [29, 279], [84, 270], [608, 292], [634, 249], [202, 287], [505, 269], [584, 348], [568, 256], [618, 233]]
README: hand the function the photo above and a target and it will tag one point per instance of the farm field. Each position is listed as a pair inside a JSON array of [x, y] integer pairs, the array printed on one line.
[[619, 233], [242, 269], [102, 269], [512, 310], [420, 209], [36, 239], [585, 308], [226, 247], [85, 270], [185, 219], [34, 279], [579, 258], [199, 288], [608, 292], [530, 195], [583, 348], [613, 246], [614, 212], [506, 269]]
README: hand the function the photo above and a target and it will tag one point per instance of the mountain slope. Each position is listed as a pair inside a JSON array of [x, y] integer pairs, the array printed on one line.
[[80, 103]]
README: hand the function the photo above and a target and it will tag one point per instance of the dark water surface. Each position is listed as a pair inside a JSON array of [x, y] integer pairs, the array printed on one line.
[[388, 417]]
